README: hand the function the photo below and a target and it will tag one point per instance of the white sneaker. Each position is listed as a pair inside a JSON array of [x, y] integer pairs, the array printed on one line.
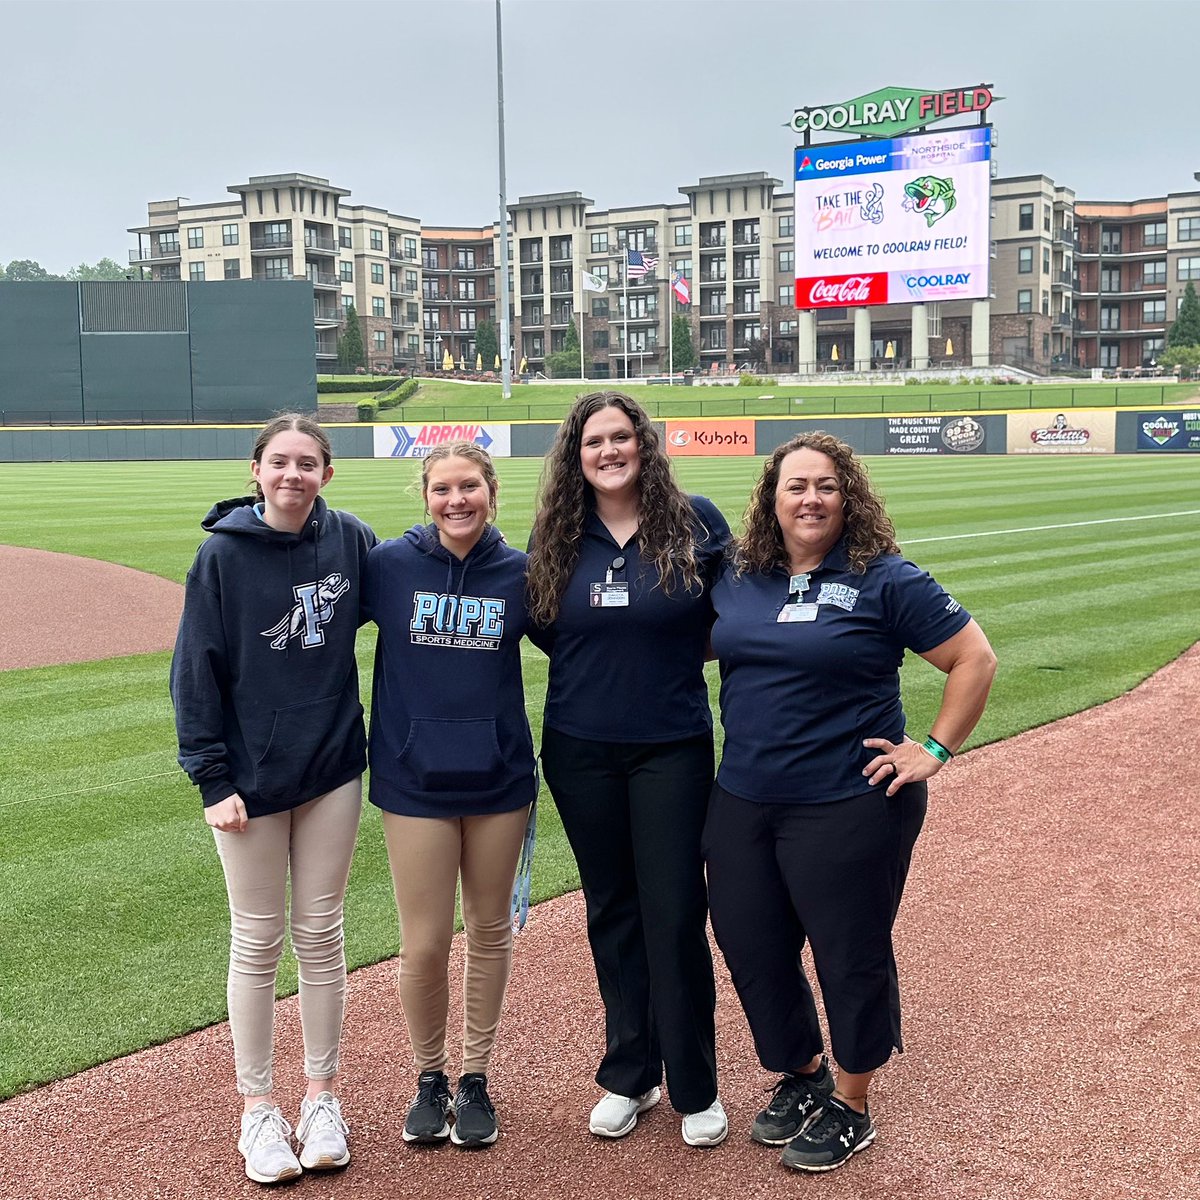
[[322, 1133], [266, 1146], [707, 1128], [616, 1115]]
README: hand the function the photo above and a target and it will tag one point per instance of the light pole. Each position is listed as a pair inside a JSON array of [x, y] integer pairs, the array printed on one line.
[[437, 351]]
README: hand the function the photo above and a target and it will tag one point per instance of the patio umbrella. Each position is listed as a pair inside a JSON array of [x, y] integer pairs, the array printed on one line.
[[478, 361], [462, 361], [497, 367], [447, 361], [949, 347], [524, 364], [889, 351], [833, 354]]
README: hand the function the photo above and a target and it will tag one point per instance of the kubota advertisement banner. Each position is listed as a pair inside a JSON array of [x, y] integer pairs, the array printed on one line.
[[710, 438]]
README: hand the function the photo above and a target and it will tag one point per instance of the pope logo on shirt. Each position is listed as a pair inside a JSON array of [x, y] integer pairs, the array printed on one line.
[[461, 622]]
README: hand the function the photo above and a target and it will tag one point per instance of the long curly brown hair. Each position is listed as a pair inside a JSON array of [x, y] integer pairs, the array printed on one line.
[[869, 530], [666, 534]]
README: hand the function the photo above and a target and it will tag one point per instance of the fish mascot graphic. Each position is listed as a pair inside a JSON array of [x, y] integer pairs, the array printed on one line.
[[930, 196]]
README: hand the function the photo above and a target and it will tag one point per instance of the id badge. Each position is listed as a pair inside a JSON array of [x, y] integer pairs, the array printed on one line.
[[791, 614], [610, 595]]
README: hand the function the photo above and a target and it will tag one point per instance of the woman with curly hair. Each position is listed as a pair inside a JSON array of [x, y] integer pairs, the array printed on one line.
[[621, 562], [821, 793]]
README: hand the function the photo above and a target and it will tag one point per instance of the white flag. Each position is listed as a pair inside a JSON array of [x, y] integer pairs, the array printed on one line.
[[592, 283]]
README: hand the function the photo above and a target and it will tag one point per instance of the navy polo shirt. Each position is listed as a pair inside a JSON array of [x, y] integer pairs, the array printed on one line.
[[797, 699], [633, 674]]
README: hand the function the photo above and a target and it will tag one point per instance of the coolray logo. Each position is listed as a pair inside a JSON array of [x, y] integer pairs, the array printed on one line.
[[313, 609], [679, 437], [460, 622], [418, 445], [889, 111], [1061, 434], [930, 197], [934, 281], [1160, 430], [850, 289]]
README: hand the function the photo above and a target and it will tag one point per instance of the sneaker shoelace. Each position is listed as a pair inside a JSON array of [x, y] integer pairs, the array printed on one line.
[[431, 1089], [833, 1117], [785, 1092], [322, 1115], [474, 1091], [267, 1125]]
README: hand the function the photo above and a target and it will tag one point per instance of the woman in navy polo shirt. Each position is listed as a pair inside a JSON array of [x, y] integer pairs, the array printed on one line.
[[620, 566], [821, 794]]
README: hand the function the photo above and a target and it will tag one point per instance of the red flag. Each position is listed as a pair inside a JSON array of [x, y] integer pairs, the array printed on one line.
[[679, 285]]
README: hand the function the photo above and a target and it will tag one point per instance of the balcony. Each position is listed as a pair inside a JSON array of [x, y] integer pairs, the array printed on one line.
[[712, 277], [648, 245], [560, 285], [160, 253], [1061, 279], [317, 244], [746, 273], [1064, 237], [1063, 320], [327, 316], [713, 240], [531, 258], [638, 315], [321, 279], [744, 308], [745, 237], [271, 242], [434, 297], [464, 265]]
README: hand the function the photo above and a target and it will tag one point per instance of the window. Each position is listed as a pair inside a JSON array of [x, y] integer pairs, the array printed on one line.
[[1154, 312], [379, 341], [600, 242], [466, 319], [410, 247], [1188, 268], [410, 281], [1110, 239], [376, 239], [1025, 300], [1045, 304], [560, 248], [787, 261], [233, 269], [464, 260], [1110, 279], [1154, 233], [378, 307], [787, 226], [346, 272], [683, 235], [1045, 345], [1025, 216], [170, 272], [639, 238], [345, 236], [599, 306], [277, 268], [377, 272], [1189, 229], [414, 344], [196, 238], [788, 328], [1025, 260], [347, 303], [168, 243], [1046, 259], [1110, 317], [1046, 217], [787, 295], [410, 312], [465, 289], [196, 272], [1151, 348], [600, 270], [600, 339], [229, 235], [429, 258], [1110, 354], [1154, 274]]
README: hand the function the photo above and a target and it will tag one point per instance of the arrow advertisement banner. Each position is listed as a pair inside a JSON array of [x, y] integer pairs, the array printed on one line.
[[416, 441]]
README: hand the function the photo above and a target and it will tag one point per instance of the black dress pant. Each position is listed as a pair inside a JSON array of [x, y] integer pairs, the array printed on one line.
[[633, 814], [833, 874]]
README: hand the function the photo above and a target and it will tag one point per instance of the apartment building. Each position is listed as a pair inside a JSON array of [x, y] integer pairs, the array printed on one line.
[[1091, 284]]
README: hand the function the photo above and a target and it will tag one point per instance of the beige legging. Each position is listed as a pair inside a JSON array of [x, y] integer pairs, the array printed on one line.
[[315, 843], [427, 856]]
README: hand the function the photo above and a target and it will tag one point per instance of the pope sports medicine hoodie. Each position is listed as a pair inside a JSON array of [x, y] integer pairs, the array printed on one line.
[[263, 679], [449, 735]]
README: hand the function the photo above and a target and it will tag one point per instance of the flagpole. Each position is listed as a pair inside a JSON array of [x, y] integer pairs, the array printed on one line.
[[625, 310], [505, 356], [582, 375], [671, 331]]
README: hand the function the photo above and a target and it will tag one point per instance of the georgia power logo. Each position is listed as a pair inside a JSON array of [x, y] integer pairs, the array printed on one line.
[[1160, 430], [930, 197], [963, 435], [679, 437]]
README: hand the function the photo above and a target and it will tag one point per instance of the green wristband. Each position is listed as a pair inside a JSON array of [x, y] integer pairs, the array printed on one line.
[[934, 747]]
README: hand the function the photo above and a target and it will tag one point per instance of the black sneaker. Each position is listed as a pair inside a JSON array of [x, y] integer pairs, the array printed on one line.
[[796, 1099], [426, 1121], [475, 1116], [830, 1140]]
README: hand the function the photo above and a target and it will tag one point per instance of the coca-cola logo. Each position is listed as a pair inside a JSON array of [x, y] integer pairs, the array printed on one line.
[[854, 289]]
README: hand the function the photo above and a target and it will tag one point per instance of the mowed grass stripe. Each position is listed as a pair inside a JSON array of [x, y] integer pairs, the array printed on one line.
[[120, 928]]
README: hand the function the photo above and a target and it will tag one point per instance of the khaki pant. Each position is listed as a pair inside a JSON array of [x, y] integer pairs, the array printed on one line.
[[428, 856], [314, 844]]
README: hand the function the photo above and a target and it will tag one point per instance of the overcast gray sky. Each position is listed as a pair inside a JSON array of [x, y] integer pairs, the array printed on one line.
[[107, 105]]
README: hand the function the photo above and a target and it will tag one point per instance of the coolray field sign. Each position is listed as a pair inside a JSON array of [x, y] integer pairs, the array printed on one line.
[[904, 220], [890, 111]]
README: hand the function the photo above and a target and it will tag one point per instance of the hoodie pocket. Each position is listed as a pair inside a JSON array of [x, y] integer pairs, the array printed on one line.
[[303, 737], [452, 756]]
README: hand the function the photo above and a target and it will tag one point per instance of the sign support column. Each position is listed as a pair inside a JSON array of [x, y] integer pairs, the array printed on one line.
[[862, 339]]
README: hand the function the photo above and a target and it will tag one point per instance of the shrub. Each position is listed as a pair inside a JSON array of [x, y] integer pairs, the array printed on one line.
[[367, 409]]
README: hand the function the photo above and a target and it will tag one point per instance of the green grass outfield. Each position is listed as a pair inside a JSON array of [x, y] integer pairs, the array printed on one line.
[[1082, 571], [446, 400]]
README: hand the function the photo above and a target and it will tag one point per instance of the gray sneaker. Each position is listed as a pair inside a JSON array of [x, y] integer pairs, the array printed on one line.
[[707, 1128], [616, 1115], [322, 1134], [266, 1145]]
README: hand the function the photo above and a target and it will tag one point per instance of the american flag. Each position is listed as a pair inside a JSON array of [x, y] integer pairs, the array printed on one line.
[[640, 264]]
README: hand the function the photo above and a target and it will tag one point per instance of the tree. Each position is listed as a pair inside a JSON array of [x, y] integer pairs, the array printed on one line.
[[104, 269], [565, 363], [682, 347], [487, 344], [1186, 330], [25, 270], [756, 352], [1186, 358], [350, 351]]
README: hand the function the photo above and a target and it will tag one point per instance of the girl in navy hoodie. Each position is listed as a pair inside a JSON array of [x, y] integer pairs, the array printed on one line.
[[270, 728], [452, 768]]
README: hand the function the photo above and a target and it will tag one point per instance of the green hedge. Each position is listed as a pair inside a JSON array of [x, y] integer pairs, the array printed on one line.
[[360, 383], [368, 410]]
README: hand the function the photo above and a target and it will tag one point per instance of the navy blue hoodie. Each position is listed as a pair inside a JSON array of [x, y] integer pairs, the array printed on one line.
[[264, 680], [449, 735]]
